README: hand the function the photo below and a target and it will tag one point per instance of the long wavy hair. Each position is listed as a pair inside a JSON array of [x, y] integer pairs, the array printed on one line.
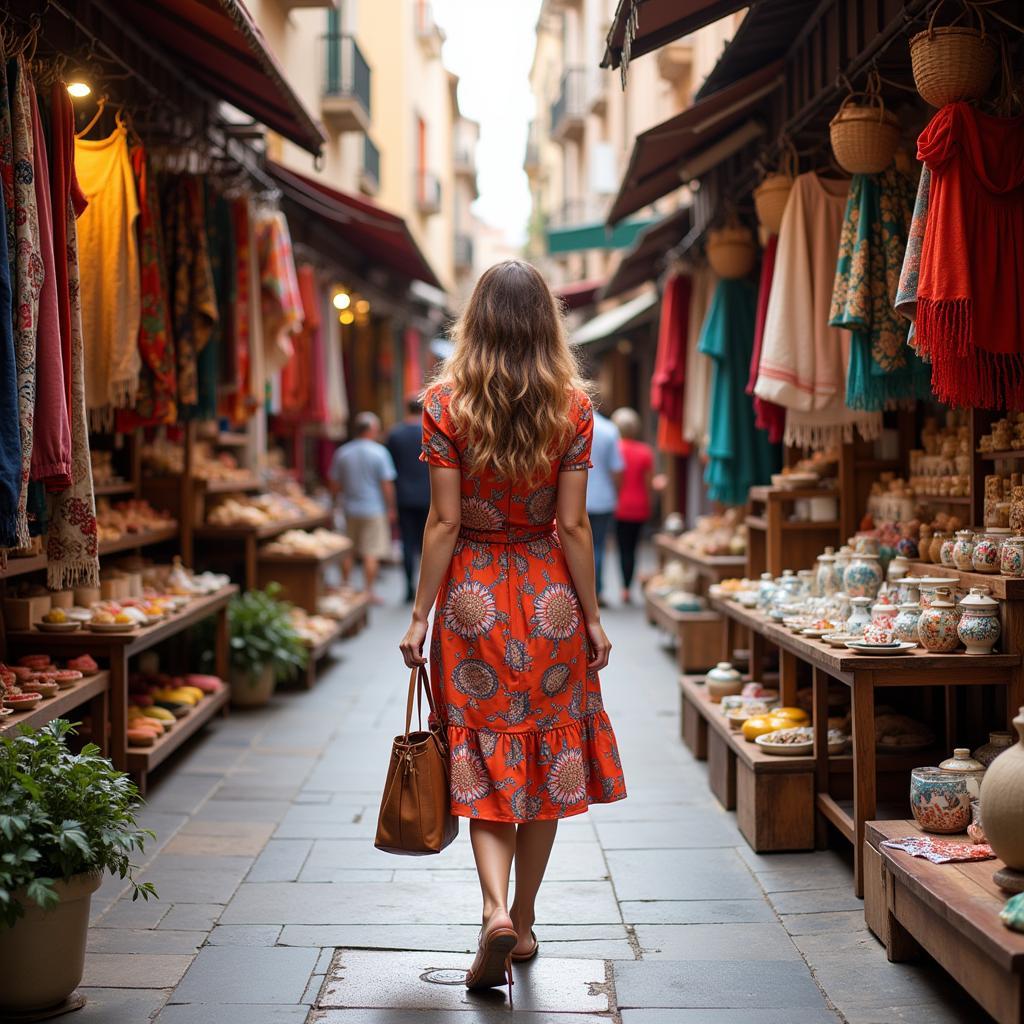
[[512, 374]]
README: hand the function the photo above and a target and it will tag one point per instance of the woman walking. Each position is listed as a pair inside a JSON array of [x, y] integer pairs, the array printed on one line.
[[634, 506], [517, 642]]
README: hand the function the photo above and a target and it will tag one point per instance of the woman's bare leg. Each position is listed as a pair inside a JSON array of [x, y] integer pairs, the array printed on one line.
[[494, 847], [534, 840]]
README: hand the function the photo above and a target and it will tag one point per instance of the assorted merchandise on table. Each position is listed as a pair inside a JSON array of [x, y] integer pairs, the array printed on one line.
[[319, 543], [267, 509]]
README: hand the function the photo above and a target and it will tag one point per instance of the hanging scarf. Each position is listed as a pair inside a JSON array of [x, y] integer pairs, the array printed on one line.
[[668, 379], [10, 431], [279, 291], [296, 375], [72, 546], [156, 398], [237, 405], [739, 455], [970, 304], [257, 382], [906, 292], [218, 240], [697, 376], [882, 369], [767, 415]]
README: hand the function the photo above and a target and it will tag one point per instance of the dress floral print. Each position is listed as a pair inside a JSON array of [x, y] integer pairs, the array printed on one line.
[[528, 732]]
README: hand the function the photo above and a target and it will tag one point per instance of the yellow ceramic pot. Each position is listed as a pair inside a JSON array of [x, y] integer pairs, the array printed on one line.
[[795, 715], [761, 724]]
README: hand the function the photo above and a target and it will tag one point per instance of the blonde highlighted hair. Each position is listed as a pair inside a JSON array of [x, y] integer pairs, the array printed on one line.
[[512, 375]]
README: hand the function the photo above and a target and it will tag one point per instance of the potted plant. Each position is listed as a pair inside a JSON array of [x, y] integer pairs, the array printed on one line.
[[65, 818], [265, 648]]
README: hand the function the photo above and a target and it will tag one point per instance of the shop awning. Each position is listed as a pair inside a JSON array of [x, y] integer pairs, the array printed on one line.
[[640, 26], [644, 261], [596, 235], [616, 321], [578, 293], [379, 237], [660, 153], [220, 46]]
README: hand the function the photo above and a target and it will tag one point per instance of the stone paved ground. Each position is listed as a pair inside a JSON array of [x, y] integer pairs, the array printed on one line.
[[276, 909]]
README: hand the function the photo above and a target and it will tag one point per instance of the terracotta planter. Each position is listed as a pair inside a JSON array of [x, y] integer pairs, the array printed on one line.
[[1002, 802], [42, 957], [248, 691]]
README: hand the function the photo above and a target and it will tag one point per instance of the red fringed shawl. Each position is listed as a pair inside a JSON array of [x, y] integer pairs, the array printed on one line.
[[670, 366], [970, 312]]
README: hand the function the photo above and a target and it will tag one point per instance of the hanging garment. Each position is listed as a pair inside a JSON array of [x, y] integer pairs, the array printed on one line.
[[219, 242], [257, 382], [109, 261], [317, 356], [882, 368], [72, 538], [157, 395], [334, 369], [906, 292], [279, 290], [237, 404], [739, 454], [28, 279], [296, 374], [970, 303], [803, 360], [668, 378], [412, 364], [697, 376], [10, 429], [767, 415]]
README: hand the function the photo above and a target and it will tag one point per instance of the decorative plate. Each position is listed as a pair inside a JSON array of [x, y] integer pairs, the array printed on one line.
[[899, 647], [113, 627], [58, 627]]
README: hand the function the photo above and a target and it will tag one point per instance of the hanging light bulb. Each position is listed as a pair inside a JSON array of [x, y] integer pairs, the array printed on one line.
[[346, 316], [363, 306], [79, 88], [342, 300]]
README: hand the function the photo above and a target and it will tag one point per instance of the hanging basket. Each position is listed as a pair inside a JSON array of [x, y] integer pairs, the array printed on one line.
[[770, 201], [731, 251], [954, 63], [864, 136]]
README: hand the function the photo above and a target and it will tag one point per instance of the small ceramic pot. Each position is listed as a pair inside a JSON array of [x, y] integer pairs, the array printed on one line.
[[876, 633], [806, 578], [924, 545], [946, 551], [899, 566], [860, 616], [936, 625], [987, 550], [997, 743], [908, 548], [1011, 557], [935, 549], [963, 550], [905, 626], [723, 681], [765, 589], [825, 577], [979, 625], [863, 576], [883, 613], [940, 800], [843, 558], [961, 763]]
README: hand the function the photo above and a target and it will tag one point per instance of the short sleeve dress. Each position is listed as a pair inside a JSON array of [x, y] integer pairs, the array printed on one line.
[[529, 735]]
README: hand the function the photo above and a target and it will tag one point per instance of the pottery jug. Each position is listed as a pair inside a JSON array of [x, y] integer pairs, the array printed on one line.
[[935, 548], [1011, 557], [863, 576], [1002, 801], [963, 550], [936, 626], [723, 681], [979, 625], [860, 615], [905, 626], [987, 550], [961, 763], [997, 743]]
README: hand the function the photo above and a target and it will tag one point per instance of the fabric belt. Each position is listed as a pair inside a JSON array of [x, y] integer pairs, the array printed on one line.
[[518, 536]]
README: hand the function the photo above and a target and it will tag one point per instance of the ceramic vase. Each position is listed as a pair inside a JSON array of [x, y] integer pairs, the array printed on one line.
[[1011, 557], [924, 544], [905, 626], [723, 681], [936, 625], [946, 551], [843, 558], [961, 763], [1002, 802], [963, 550], [997, 743], [899, 566], [940, 800], [979, 625], [825, 577], [860, 615], [987, 550], [908, 548], [863, 576], [765, 589]]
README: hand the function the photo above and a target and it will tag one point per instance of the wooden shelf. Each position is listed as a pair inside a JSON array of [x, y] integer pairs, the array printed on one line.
[[944, 499], [764, 494], [1009, 453], [59, 706], [264, 532], [714, 566], [757, 522], [129, 541], [810, 524], [21, 566], [242, 485], [142, 760], [114, 487], [1004, 588], [303, 559]]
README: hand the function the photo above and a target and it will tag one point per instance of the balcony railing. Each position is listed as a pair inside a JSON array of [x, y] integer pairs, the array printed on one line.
[[531, 161], [369, 174], [464, 251], [428, 193], [346, 90], [574, 212], [567, 112]]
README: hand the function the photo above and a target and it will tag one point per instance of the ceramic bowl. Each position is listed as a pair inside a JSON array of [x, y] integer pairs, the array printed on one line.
[[940, 800]]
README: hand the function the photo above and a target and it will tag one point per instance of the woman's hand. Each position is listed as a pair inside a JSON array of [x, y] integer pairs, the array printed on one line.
[[412, 643], [600, 646]]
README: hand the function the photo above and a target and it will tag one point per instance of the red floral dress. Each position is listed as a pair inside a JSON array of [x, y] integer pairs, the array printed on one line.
[[529, 735]]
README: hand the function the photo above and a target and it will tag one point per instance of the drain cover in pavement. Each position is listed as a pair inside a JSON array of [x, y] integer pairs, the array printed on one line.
[[444, 976]]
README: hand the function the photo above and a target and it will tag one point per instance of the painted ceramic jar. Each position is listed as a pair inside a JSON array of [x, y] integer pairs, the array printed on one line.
[[936, 625], [841, 604], [765, 589], [863, 576], [940, 800], [826, 576], [979, 625], [723, 681], [963, 550], [843, 557], [806, 578], [908, 548], [1011, 557], [997, 743], [961, 763], [883, 613], [1002, 802], [899, 566], [946, 550], [787, 588], [860, 615], [878, 633], [905, 626], [986, 550], [865, 545]]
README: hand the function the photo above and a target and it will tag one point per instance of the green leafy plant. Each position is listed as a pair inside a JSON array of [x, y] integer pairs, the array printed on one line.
[[262, 635], [62, 814]]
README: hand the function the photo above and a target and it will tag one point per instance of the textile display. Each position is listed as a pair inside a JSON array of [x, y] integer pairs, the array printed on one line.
[[297, 382], [697, 377], [109, 260], [669, 375], [767, 415], [970, 306], [217, 352], [279, 291], [882, 367], [237, 404], [906, 291], [939, 850], [739, 455], [334, 364], [257, 381]]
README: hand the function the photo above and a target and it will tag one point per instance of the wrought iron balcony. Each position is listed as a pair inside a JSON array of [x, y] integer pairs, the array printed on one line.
[[428, 193], [345, 104], [369, 173], [464, 251], [569, 110]]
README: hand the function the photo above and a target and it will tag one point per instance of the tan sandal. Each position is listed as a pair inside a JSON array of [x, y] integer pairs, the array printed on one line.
[[522, 958], [493, 964]]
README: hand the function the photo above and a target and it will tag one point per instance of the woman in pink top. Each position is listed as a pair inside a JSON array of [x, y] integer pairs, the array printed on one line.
[[634, 508]]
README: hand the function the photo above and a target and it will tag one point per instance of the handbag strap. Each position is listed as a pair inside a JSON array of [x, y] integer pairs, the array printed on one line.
[[419, 674]]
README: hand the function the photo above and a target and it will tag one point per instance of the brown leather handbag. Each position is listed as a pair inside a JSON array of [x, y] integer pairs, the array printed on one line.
[[415, 811]]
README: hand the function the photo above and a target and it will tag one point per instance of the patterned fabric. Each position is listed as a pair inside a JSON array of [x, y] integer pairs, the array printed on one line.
[[219, 241], [281, 302], [529, 735], [768, 416], [940, 851], [668, 379], [906, 292], [237, 404], [882, 368]]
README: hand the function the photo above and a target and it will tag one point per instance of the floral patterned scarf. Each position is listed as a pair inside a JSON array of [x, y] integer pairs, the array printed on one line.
[[906, 293]]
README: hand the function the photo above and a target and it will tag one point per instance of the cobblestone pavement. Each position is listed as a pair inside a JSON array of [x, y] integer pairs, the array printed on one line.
[[276, 909]]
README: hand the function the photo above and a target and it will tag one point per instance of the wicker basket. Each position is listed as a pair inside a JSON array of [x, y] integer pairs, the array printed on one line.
[[954, 63], [864, 137], [731, 251], [770, 201]]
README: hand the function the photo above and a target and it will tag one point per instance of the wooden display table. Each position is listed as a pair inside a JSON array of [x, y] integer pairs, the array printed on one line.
[[708, 568], [301, 576], [697, 635], [119, 648], [949, 910], [774, 540], [91, 691], [864, 674]]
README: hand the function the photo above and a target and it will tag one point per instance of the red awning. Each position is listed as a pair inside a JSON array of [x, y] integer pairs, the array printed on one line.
[[643, 262], [380, 237], [578, 293], [217, 43], [658, 153], [640, 26]]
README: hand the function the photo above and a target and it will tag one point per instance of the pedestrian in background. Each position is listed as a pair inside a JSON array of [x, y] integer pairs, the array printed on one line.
[[603, 490], [412, 487], [634, 506], [363, 476]]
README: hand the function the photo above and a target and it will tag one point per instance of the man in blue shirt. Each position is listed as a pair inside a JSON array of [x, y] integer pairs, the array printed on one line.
[[603, 488], [412, 488], [363, 475]]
